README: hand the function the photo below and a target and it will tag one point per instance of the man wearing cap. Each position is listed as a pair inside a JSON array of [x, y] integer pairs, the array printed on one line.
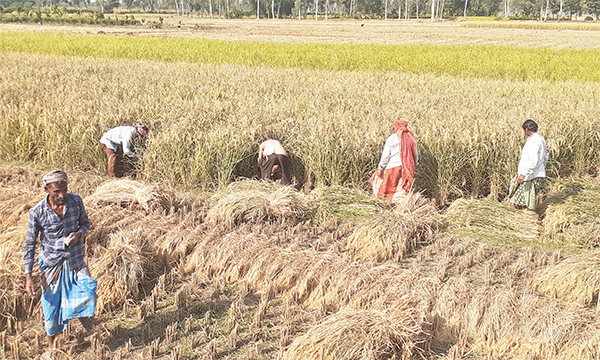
[[118, 142], [532, 169], [68, 291]]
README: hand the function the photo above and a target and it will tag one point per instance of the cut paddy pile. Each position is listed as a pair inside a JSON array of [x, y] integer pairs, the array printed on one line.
[[491, 220], [172, 280], [393, 234], [574, 280], [356, 335], [342, 203], [255, 201], [572, 212]]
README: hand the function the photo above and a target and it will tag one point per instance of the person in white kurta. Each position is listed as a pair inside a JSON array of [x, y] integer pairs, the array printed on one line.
[[532, 168], [116, 143]]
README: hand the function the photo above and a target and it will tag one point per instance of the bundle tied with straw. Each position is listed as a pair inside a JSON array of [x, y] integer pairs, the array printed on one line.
[[120, 268]]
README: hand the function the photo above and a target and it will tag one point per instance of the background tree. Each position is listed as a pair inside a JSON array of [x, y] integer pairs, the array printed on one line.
[[592, 7]]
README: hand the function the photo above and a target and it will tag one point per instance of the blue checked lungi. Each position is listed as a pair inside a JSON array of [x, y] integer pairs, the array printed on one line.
[[66, 295]]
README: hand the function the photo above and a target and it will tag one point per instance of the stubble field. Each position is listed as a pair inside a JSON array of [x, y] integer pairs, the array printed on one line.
[[194, 262]]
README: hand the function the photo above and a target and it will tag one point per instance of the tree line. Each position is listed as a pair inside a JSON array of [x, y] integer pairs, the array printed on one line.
[[324, 9]]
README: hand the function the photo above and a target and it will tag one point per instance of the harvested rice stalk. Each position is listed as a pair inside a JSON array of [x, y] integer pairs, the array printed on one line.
[[342, 203], [126, 192], [575, 279], [120, 268], [393, 235], [572, 212], [254, 201], [363, 334], [490, 221]]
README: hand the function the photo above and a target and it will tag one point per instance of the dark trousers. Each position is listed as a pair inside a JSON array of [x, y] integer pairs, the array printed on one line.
[[266, 167], [118, 166]]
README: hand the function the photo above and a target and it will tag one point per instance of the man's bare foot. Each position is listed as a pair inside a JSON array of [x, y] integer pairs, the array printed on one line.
[[87, 323]]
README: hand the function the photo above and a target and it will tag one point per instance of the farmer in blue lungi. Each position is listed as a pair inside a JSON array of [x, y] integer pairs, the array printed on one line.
[[68, 291]]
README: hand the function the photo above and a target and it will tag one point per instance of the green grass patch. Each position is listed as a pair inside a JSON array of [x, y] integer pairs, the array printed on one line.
[[458, 60], [531, 25]]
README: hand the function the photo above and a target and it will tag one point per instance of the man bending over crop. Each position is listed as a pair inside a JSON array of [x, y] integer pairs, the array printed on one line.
[[68, 291], [118, 142], [271, 155], [532, 168]]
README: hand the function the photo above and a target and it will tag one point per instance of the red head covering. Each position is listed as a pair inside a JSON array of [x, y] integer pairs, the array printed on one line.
[[399, 124], [141, 129], [408, 149]]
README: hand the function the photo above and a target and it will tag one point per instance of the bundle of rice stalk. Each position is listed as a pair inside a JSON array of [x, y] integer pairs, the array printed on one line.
[[492, 314], [178, 241], [120, 268], [265, 202], [576, 279], [394, 234], [526, 326], [12, 295], [397, 289], [572, 212], [363, 334], [449, 310], [490, 221], [15, 202], [124, 192], [11, 175], [342, 203]]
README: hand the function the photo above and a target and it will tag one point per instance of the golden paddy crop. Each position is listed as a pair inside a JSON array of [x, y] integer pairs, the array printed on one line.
[[332, 123], [259, 271], [169, 279]]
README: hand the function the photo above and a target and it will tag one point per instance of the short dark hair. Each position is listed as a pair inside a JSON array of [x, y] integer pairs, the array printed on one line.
[[530, 125]]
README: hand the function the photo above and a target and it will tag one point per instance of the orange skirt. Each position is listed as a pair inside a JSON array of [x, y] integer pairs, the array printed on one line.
[[386, 188]]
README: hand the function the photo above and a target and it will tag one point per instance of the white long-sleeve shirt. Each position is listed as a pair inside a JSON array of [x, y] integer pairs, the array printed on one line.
[[533, 157], [390, 156], [120, 136]]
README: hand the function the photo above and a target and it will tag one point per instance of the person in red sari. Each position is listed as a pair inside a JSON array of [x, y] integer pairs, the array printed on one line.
[[396, 172]]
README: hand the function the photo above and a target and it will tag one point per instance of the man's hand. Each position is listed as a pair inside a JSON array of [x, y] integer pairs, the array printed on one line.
[[29, 287], [379, 173], [72, 239], [520, 179]]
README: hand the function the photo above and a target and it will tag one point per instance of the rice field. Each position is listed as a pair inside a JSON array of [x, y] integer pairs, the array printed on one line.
[[493, 62], [178, 281], [195, 258], [333, 123]]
